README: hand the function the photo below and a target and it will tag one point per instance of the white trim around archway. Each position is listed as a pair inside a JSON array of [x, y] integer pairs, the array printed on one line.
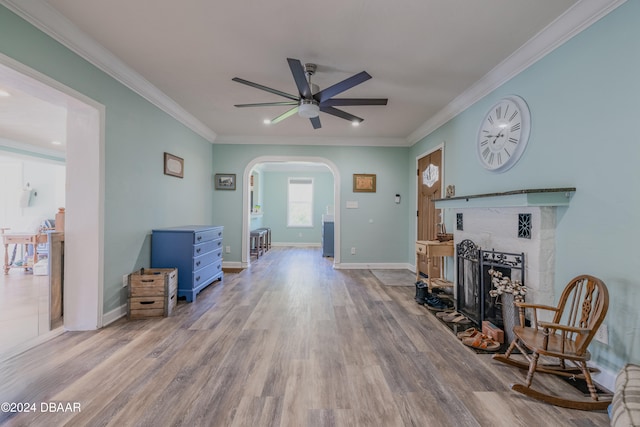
[[246, 223]]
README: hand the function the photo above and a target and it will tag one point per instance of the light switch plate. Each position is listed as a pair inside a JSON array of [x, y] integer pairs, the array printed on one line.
[[352, 204]]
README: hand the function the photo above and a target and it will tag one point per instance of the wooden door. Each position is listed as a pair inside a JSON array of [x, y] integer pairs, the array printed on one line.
[[429, 188]]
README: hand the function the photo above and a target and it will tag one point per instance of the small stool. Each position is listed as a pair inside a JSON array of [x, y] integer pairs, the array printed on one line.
[[267, 237], [256, 242]]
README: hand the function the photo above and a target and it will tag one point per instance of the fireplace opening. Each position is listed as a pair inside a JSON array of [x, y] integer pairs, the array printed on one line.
[[474, 280]]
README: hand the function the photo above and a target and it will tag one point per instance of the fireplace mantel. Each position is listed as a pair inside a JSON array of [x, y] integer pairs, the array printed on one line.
[[517, 198]]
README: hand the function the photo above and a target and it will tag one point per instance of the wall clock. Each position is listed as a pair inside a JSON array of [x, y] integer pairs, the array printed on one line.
[[504, 134]]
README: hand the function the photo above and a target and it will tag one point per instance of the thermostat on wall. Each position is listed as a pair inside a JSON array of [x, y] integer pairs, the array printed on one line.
[[352, 204]]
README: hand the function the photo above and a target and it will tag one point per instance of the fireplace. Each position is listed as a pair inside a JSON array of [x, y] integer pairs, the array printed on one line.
[[474, 281]]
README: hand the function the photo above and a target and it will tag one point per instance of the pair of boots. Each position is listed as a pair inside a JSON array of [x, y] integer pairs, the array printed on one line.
[[423, 296]]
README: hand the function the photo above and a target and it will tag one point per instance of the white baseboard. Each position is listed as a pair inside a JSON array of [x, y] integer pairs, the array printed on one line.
[[605, 378], [232, 264], [372, 266], [114, 315]]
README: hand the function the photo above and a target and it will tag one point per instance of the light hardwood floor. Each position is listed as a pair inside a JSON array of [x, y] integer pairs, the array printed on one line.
[[24, 308], [288, 342]]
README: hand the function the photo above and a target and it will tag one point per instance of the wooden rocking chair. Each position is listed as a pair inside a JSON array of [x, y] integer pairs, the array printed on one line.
[[580, 311]]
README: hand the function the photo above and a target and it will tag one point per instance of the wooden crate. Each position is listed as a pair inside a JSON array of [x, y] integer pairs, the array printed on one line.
[[153, 292]]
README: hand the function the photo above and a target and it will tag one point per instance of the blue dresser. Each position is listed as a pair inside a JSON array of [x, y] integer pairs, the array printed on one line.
[[195, 250]]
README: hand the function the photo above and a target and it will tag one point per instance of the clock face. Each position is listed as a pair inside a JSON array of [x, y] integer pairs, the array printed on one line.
[[503, 134]]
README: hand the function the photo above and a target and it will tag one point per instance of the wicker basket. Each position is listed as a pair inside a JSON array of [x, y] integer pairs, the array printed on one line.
[[444, 237]]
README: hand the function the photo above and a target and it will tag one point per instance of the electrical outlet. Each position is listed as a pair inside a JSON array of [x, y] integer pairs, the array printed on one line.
[[602, 334], [353, 251], [227, 249], [125, 280]]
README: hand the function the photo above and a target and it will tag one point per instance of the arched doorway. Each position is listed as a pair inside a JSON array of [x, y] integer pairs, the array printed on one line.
[[246, 198]]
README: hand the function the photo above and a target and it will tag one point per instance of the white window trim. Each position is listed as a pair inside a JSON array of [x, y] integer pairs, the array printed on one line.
[[310, 181]]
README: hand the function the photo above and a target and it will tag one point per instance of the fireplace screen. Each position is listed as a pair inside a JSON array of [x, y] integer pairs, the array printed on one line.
[[510, 265], [474, 281], [468, 290]]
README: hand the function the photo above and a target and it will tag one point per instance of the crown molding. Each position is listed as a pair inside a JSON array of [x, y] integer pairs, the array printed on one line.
[[576, 19], [44, 17], [361, 141]]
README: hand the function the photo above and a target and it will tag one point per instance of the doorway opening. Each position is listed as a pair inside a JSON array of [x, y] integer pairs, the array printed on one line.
[[430, 181], [249, 199], [84, 191]]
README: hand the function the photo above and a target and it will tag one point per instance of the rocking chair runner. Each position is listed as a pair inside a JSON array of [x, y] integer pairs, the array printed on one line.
[[580, 311]]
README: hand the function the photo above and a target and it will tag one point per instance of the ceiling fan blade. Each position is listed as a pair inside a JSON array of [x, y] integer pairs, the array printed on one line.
[[268, 104], [341, 102], [284, 115], [300, 77], [268, 89], [337, 88], [315, 122], [341, 114]]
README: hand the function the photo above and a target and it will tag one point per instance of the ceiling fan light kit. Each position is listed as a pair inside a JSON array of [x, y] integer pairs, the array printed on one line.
[[308, 108], [310, 102]]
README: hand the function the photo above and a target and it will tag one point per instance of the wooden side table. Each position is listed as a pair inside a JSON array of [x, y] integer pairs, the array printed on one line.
[[432, 249], [20, 239]]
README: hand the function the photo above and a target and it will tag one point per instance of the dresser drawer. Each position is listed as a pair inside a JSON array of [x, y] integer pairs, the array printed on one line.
[[421, 249], [206, 235], [206, 274], [205, 248], [207, 258]]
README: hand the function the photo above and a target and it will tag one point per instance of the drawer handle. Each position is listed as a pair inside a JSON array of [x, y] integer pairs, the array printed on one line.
[[198, 250], [219, 233], [219, 267], [219, 254], [147, 302], [146, 280], [198, 279], [219, 243], [197, 263], [199, 238]]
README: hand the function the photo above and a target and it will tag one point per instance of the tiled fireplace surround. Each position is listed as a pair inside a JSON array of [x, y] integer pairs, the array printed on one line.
[[491, 221], [497, 229]]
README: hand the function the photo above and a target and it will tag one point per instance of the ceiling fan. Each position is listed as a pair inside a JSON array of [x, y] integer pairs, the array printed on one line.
[[309, 102]]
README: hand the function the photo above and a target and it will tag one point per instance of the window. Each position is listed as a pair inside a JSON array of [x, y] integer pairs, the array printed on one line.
[[300, 202]]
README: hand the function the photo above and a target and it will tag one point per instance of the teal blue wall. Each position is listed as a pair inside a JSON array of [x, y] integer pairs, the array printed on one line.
[[377, 229], [275, 206], [584, 105], [138, 196]]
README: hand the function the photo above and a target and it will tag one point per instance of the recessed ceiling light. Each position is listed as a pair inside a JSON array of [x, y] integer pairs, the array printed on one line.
[[4, 93], [56, 142], [266, 121], [355, 123]]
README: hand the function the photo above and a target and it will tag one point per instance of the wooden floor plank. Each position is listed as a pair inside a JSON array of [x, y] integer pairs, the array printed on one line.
[[290, 341]]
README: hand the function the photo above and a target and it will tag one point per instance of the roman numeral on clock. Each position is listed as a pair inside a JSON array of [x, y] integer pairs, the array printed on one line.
[[513, 116], [515, 127]]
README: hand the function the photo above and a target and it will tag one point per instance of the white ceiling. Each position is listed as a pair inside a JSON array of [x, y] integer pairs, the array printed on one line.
[[423, 55]]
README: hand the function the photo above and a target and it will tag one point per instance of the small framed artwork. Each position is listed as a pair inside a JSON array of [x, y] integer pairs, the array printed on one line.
[[225, 181], [173, 165], [364, 183]]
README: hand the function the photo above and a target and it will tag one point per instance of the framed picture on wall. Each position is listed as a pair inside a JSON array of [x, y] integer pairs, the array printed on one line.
[[173, 165], [364, 183], [225, 181]]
